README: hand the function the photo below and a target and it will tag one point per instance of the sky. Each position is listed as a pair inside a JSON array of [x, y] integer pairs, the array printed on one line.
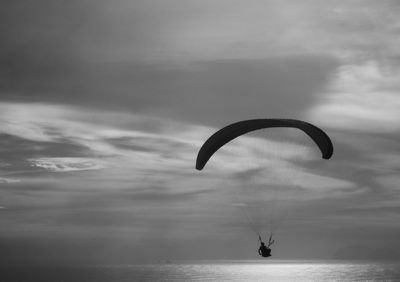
[[105, 104]]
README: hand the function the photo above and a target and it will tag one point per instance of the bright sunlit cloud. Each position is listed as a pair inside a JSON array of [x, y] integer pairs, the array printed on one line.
[[67, 164], [362, 98]]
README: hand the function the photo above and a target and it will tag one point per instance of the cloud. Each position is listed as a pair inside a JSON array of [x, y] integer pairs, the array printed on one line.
[[153, 158], [383, 161], [140, 152], [67, 164], [126, 92], [363, 98], [226, 90], [391, 184], [8, 180]]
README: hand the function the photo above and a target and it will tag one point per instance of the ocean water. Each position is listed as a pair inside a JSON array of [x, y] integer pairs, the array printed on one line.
[[267, 270]]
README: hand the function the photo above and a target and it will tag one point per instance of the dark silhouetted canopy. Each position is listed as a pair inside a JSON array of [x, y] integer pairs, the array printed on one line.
[[230, 132]]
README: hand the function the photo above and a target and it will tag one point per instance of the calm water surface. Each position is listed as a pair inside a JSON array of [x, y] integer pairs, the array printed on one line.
[[215, 271]]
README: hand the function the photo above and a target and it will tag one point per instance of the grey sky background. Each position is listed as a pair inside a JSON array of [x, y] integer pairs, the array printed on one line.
[[104, 105]]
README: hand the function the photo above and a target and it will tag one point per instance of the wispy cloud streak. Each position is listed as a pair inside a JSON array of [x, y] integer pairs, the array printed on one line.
[[149, 151]]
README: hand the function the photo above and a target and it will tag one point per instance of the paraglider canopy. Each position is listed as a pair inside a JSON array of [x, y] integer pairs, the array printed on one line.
[[230, 132]]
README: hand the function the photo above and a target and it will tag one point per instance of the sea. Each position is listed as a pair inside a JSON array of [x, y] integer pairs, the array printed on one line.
[[266, 270]]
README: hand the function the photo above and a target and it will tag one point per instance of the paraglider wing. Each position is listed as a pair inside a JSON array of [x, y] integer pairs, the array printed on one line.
[[230, 132]]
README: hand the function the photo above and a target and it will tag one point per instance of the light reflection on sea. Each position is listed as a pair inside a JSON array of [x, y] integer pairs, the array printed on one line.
[[266, 270]]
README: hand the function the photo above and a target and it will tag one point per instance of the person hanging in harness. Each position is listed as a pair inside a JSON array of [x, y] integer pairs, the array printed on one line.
[[265, 251]]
